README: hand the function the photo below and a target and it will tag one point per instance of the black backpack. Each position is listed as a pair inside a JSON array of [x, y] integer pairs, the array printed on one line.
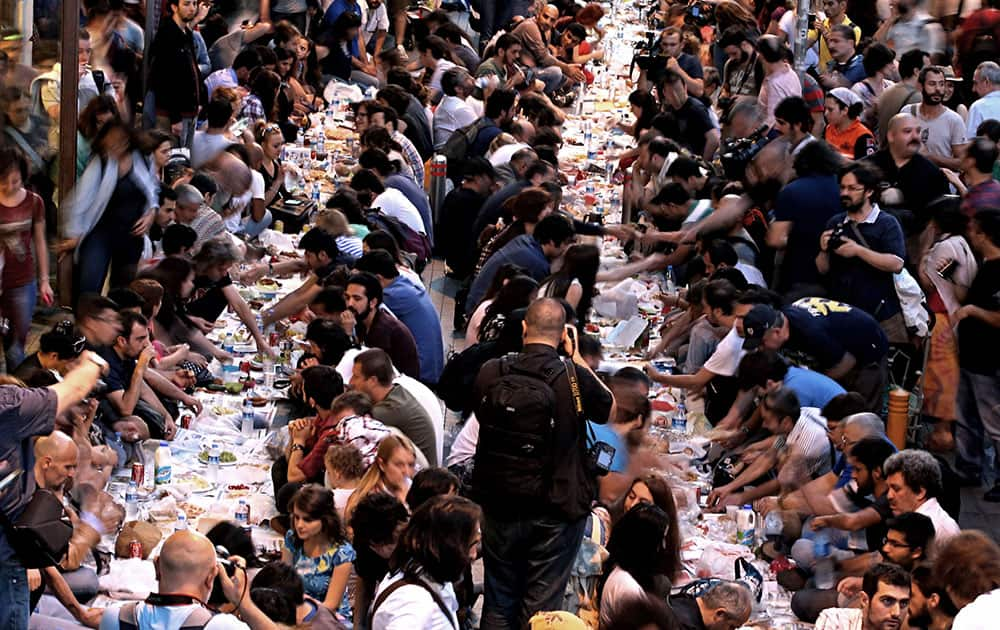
[[517, 419], [456, 149], [455, 385]]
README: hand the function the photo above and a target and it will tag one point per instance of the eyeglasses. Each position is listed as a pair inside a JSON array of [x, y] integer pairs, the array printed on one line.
[[895, 543]]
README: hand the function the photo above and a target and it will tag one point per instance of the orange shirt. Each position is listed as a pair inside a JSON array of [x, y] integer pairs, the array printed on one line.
[[854, 143]]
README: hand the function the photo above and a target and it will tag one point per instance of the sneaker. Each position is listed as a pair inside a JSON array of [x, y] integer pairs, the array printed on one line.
[[993, 494], [401, 48]]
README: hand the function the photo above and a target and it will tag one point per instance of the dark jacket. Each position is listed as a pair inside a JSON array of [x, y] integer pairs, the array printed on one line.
[[173, 72]]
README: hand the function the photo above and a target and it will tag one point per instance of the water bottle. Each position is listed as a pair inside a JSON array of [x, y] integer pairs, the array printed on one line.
[[679, 422], [182, 522], [214, 455], [132, 502], [119, 448], [671, 280], [228, 343], [823, 568], [315, 192], [162, 468], [268, 367], [746, 522], [615, 206], [247, 424], [243, 515], [588, 141]]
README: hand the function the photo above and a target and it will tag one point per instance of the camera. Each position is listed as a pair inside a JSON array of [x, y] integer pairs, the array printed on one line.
[[218, 596], [699, 14], [737, 153], [837, 237]]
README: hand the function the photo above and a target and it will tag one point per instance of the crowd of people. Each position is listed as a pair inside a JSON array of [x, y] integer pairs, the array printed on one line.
[[825, 214]]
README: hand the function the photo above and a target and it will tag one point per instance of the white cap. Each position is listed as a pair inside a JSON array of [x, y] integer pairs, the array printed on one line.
[[844, 95]]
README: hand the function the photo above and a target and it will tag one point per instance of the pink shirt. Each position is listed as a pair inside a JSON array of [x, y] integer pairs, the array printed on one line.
[[776, 88]]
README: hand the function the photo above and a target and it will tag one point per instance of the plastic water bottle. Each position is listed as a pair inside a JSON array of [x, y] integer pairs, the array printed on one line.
[[119, 448], [162, 468], [615, 206], [132, 502], [182, 522], [823, 569], [679, 422], [214, 455], [243, 514], [588, 141], [671, 280], [315, 192], [229, 342], [247, 424], [268, 367]]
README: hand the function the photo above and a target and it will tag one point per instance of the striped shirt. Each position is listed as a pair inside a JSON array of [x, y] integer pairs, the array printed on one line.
[[412, 156], [808, 441]]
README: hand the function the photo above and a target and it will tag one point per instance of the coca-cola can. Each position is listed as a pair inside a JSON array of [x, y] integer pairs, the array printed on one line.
[[275, 338], [138, 473], [135, 549], [186, 421]]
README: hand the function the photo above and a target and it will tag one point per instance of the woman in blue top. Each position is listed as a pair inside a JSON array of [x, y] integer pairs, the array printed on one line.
[[317, 548]]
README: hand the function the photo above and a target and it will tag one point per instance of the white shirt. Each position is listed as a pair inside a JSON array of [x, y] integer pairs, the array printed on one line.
[[945, 527], [726, 358], [412, 607], [375, 21], [503, 155], [168, 618], [983, 109], [464, 447], [809, 441], [619, 587], [443, 65], [981, 614], [396, 205], [452, 113], [431, 404]]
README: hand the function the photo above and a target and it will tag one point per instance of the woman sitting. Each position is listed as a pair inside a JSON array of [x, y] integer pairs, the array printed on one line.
[[391, 472]]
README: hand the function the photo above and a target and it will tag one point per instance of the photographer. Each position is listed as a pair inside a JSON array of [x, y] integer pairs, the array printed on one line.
[[862, 248], [187, 568], [741, 76], [26, 413]]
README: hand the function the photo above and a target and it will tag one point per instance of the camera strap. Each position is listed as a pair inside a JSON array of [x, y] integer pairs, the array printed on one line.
[[574, 390], [173, 599]]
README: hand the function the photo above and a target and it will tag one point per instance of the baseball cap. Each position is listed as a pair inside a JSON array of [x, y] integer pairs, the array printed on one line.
[[757, 322]]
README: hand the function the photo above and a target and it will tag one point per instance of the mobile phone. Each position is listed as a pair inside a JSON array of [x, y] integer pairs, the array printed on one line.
[[812, 20]]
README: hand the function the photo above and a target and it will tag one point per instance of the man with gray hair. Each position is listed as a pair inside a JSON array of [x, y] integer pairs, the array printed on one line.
[[725, 605], [914, 481], [192, 212], [453, 112], [985, 83]]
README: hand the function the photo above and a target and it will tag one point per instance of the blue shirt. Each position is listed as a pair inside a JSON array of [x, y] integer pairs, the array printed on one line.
[[523, 251], [843, 470], [853, 70], [412, 306], [812, 388], [417, 197], [604, 433], [316, 572], [808, 203], [334, 11]]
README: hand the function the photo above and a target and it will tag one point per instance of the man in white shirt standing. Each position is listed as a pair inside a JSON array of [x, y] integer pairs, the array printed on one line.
[[986, 83], [375, 27], [453, 112], [914, 480]]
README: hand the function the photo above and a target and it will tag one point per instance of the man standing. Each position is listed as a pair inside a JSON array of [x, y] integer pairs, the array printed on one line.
[[978, 159], [861, 249], [535, 490], [534, 34], [739, 75], [846, 66], [26, 413], [978, 334], [413, 306], [679, 62], [458, 216], [394, 405], [376, 327], [986, 83], [836, 15], [904, 92], [174, 78], [780, 81], [910, 27], [942, 131]]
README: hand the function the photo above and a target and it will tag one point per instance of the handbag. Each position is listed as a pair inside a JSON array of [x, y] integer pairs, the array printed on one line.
[[42, 532]]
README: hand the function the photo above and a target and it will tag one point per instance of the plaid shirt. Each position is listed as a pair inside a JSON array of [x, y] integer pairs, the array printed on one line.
[[412, 156], [252, 109]]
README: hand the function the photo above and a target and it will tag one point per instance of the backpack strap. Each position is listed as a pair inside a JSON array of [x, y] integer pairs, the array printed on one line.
[[198, 619], [410, 581], [127, 619]]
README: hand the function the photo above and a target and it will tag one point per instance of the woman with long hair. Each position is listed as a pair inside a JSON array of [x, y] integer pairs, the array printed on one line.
[[500, 278], [527, 208], [391, 472], [575, 280], [99, 112], [172, 323], [636, 552], [516, 293], [318, 548], [271, 140], [946, 272], [653, 488], [109, 210], [155, 146], [261, 102], [437, 546], [644, 107], [22, 235]]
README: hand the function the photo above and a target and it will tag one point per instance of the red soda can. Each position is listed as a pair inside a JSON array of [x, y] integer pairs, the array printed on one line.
[[138, 473], [245, 366], [186, 421], [135, 549], [275, 338]]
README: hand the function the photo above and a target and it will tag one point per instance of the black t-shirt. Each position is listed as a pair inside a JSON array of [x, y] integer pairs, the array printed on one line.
[[207, 300], [978, 342], [119, 370], [694, 122], [28, 367], [825, 330], [686, 612], [919, 180], [455, 229]]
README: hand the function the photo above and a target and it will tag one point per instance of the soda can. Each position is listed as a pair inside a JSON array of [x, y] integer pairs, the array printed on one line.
[[279, 226], [135, 549], [275, 338], [138, 473], [186, 421]]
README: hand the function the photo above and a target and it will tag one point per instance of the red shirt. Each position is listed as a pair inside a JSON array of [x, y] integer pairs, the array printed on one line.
[[16, 223], [312, 464]]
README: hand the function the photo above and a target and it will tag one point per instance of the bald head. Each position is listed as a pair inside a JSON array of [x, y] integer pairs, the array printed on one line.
[[552, 10], [544, 321], [187, 564], [53, 445], [903, 135], [56, 458]]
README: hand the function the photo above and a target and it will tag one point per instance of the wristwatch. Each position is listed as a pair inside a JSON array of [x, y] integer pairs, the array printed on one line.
[[298, 447]]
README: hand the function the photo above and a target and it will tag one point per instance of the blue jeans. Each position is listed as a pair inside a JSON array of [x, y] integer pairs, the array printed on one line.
[[978, 413], [527, 565], [552, 77], [102, 249], [14, 595], [18, 305], [253, 228]]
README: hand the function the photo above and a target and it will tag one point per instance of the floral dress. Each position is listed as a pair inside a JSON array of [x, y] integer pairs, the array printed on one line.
[[316, 572]]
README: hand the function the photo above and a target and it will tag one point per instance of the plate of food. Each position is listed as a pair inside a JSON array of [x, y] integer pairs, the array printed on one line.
[[268, 283], [226, 458], [196, 483], [219, 410]]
